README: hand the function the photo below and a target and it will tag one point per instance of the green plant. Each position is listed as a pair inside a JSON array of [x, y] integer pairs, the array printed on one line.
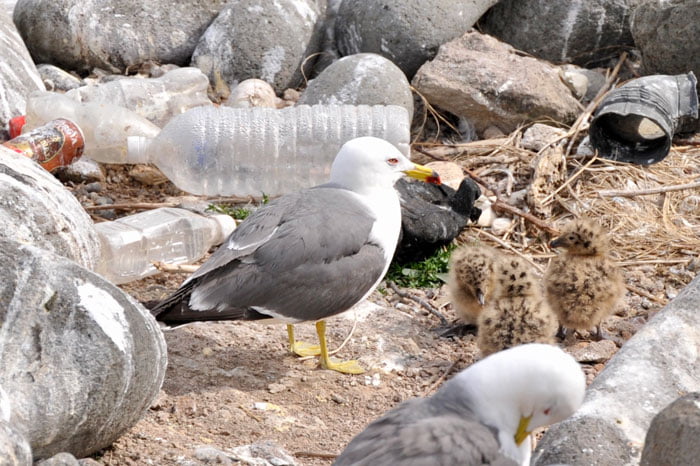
[[235, 211], [239, 213], [428, 273]]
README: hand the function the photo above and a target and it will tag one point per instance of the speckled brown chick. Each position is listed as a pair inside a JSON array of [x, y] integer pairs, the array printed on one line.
[[470, 280], [518, 312], [583, 285]]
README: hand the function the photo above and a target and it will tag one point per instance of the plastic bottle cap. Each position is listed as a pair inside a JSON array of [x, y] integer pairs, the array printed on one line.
[[226, 226]]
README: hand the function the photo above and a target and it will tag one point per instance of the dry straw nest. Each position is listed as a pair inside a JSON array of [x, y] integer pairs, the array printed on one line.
[[652, 212]]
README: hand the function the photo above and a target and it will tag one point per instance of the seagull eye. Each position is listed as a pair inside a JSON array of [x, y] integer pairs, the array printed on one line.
[[392, 161], [547, 411]]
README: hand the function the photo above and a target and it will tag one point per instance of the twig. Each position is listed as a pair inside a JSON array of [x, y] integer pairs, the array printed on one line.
[[420, 301], [653, 261], [542, 225], [644, 192], [510, 248], [247, 411], [178, 268], [645, 294], [312, 454], [566, 183], [347, 339], [590, 108], [132, 206], [439, 380]]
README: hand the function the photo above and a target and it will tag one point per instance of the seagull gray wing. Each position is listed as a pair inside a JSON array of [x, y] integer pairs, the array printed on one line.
[[415, 434], [304, 256]]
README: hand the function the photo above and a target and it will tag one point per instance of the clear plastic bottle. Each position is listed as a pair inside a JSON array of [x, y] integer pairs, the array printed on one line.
[[131, 244], [156, 99], [243, 151], [105, 126]]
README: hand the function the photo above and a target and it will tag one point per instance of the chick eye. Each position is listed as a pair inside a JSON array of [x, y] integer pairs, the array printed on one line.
[[547, 411], [392, 161]]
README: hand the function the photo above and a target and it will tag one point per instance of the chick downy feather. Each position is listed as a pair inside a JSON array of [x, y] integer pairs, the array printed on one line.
[[518, 312], [583, 285], [470, 281]]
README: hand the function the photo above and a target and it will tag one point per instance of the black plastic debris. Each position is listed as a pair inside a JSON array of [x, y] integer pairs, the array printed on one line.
[[636, 122], [432, 216]]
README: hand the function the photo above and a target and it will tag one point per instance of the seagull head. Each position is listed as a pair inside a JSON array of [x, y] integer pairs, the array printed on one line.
[[517, 390], [369, 162], [582, 237]]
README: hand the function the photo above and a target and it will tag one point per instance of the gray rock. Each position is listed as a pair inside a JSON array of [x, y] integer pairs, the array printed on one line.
[[18, 75], [365, 78], [666, 35], [211, 455], [36, 209], [645, 375], [82, 360], [407, 32], [672, 439], [491, 84], [592, 352], [78, 35], [14, 448], [264, 453], [569, 31], [83, 170], [269, 41], [56, 79], [59, 459]]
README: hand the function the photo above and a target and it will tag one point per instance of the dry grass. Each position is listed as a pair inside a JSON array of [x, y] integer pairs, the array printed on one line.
[[654, 235]]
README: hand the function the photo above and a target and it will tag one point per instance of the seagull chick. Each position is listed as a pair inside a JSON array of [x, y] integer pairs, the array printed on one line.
[[482, 416], [583, 285], [518, 312], [470, 280], [309, 255]]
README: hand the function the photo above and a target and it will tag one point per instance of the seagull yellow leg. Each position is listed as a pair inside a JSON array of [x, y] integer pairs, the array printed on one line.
[[346, 367], [301, 348]]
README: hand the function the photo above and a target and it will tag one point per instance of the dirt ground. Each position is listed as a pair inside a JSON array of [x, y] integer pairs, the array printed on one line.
[[230, 384]]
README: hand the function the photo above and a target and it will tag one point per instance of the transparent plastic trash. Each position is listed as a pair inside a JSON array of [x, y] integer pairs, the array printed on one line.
[[130, 245], [105, 126], [244, 151], [156, 99]]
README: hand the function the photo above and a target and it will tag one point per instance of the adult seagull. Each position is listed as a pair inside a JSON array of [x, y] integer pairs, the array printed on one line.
[[309, 255], [482, 416]]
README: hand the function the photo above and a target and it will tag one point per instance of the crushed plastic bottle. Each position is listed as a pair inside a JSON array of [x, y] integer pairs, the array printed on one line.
[[104, 126], [156, 99], [55, 144], [243, 151], [130, 245]]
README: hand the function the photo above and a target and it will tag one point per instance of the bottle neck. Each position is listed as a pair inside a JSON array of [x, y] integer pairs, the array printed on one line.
[[137, 149]]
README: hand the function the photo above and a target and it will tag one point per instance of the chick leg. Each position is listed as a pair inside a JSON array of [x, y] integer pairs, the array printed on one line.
[[301, 348], [346, 367]]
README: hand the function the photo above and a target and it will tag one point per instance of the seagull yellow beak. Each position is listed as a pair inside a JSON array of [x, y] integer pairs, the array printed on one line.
[[423, 173], [522, 432]]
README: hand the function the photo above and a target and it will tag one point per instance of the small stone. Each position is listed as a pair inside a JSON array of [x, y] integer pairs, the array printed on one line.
[[211, 455], [94, 187], [338, 399], [262, 454], [593, 352], [539, 135], [276, 388]]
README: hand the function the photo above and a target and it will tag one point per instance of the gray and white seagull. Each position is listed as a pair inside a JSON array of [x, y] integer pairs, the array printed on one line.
[[309, 255]]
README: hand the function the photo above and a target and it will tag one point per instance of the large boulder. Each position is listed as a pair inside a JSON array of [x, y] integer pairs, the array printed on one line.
[[666, 33], [112, 34], [36, 209], [407, 32], [491, 84], [647, 373], [364, 78], [249, 40], [563, 31], [18, 75], [81, 360]]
